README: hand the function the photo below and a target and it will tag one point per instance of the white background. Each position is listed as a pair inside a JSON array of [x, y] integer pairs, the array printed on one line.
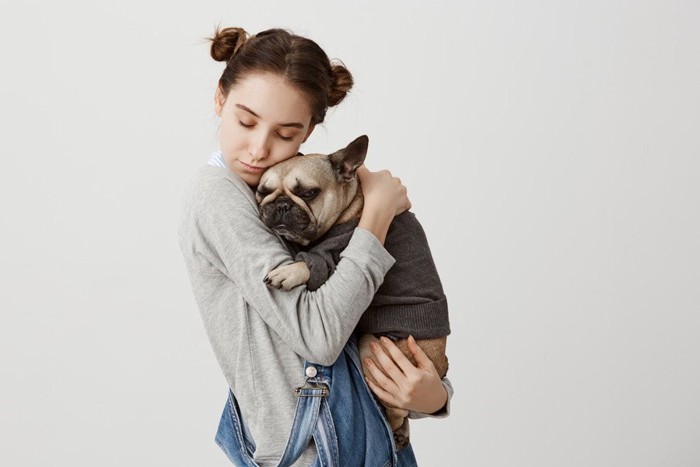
[[550, 150]]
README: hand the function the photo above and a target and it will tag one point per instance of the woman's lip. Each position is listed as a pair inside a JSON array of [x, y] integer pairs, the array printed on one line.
[[252, 168]]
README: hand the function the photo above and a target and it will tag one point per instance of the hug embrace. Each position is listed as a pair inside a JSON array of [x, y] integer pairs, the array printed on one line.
[[314, 281]]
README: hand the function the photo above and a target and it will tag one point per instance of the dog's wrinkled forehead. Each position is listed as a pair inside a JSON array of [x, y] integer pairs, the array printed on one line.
[[299, 170]]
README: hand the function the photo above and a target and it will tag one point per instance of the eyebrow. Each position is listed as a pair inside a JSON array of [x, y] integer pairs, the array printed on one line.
[[293, 124]]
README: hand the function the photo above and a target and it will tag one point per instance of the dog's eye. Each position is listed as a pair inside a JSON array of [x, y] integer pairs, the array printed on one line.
[[310, 194], [263, 191]]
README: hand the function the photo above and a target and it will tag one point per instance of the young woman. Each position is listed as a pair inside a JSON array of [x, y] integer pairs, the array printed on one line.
[[297, 395]]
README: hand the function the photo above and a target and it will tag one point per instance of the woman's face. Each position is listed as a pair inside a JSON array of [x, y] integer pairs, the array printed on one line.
[[264, 120]]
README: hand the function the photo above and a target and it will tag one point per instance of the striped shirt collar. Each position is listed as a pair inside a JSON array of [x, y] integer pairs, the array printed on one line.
[[217, 160]]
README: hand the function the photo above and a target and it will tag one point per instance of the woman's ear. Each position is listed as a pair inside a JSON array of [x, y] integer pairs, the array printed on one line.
[[308, 132], [218, 101]]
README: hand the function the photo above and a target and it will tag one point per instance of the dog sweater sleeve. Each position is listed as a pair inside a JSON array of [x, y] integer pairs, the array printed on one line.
[[322, 256]]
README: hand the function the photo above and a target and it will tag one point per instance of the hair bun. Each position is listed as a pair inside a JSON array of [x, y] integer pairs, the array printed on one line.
[[226, 43], [341, 84]]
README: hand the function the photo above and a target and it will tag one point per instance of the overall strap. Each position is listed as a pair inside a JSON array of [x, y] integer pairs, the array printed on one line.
[[312, 418]]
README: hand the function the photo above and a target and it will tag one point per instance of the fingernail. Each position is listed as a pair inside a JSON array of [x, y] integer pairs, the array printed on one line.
[[368, 361], [373, 346]]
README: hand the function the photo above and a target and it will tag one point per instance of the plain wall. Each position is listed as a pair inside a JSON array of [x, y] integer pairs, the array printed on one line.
[[550, 150]]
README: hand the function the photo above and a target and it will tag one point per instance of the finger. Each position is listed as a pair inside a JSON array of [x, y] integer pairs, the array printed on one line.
[[398, 356], [383, 395], [387, 363], [382, 380], [421, 358], [362, 172]]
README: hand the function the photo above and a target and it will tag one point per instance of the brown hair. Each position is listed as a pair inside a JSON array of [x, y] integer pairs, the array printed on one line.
[[297, 59]]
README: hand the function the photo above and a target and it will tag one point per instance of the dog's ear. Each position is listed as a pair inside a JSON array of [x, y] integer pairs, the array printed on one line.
[[346, 161]]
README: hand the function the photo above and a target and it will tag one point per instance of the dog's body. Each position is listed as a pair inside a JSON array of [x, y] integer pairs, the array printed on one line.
[[316, 201]]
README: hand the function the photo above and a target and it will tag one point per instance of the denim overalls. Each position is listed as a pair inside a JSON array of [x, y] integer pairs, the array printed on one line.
[[336, 407]]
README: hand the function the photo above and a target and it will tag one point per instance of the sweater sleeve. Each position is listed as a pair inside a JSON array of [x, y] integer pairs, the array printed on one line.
[[411, 300], [227, 236], [320, 268], [323, 255]]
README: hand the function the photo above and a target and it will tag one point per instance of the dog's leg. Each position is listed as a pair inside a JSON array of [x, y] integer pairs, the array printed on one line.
[[434, 349], [402, 435]]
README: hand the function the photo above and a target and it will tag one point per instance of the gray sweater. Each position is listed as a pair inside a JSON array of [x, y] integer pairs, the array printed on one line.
[[261, 336]]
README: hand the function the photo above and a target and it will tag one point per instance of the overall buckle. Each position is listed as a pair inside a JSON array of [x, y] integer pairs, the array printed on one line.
[[314, 386]]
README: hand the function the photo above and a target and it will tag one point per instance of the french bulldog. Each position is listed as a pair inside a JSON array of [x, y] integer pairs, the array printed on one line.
[[303, 198]]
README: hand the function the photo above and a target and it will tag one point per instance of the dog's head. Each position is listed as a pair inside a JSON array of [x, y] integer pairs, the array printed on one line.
[[302, 197]]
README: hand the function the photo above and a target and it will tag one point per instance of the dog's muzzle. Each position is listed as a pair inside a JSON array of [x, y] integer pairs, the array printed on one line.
[[288, 219]]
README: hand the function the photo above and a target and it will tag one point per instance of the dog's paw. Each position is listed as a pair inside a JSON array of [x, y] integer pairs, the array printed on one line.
[[288, 276]]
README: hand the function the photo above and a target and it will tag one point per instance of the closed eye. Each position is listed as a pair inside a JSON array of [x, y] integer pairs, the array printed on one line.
[[310, 194], [283, 138], [263, 191]]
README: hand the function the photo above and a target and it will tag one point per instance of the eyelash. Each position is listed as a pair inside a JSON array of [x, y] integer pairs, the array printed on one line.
[[283, 138]]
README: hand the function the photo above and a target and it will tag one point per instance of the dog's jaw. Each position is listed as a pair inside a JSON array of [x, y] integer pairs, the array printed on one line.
[[290, 235]]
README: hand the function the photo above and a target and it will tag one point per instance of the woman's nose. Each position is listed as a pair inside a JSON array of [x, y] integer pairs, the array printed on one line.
[[259, 147]]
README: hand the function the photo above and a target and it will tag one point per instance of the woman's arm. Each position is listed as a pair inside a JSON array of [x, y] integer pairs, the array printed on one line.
[[417, 389], [221, 233]]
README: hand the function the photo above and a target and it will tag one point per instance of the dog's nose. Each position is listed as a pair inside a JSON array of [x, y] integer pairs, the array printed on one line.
[[283, 206]]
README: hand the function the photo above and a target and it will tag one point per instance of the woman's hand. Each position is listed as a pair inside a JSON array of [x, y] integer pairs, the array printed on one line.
[[417, 388], [383, 189], [384, 197]]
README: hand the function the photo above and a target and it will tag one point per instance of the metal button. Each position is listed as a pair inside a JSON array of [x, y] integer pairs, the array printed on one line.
[[311, 371]]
